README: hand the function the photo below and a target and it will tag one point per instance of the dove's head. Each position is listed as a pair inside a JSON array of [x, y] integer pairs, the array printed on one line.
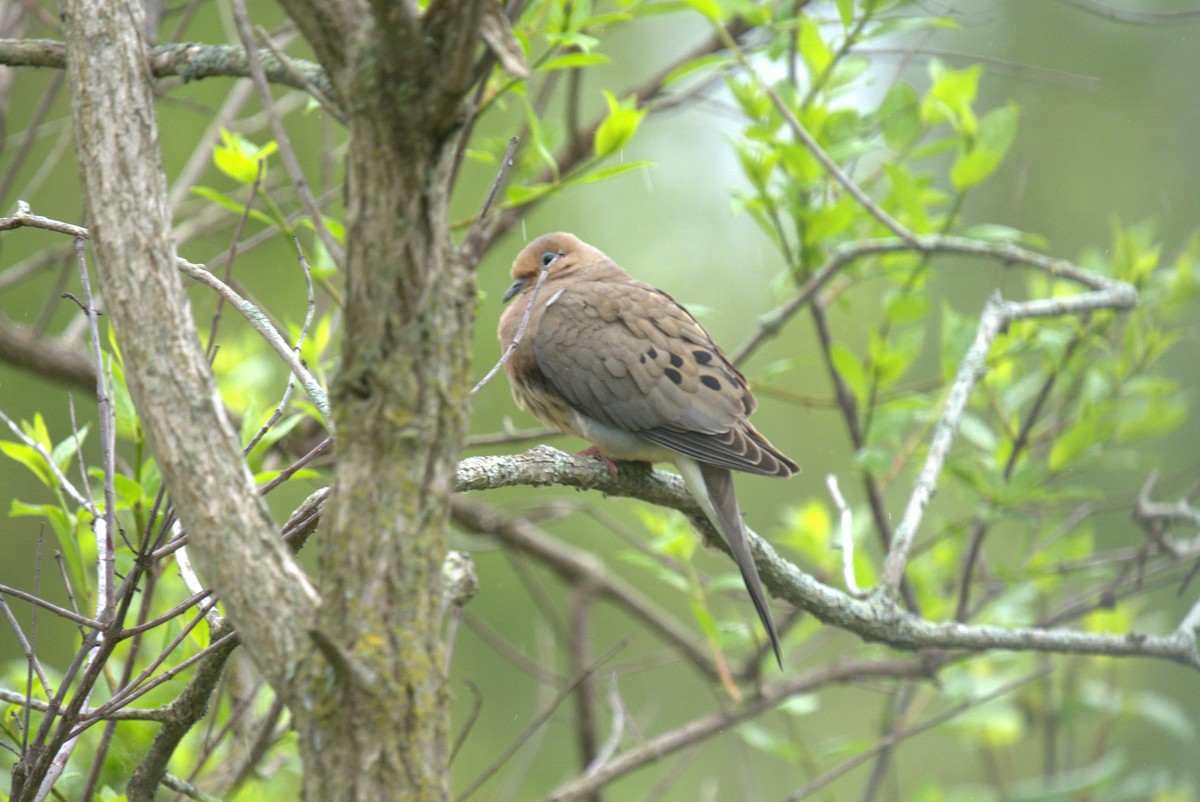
[[561, 253]]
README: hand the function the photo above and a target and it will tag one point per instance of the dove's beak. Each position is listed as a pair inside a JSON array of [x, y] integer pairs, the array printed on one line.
[[513, 289]]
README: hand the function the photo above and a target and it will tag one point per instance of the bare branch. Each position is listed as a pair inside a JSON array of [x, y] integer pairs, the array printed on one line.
[[705, 727], [578, 567], [188, 60], [997, 315], [874, 619], [252, 313], [232, 538], [290, 161]]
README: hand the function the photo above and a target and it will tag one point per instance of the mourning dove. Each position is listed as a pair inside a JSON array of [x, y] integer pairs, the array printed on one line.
[[619, 363]]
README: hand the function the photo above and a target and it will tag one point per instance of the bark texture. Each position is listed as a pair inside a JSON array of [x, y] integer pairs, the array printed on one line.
[[362, 669], [380, 704], [234, 543], [233, 540]]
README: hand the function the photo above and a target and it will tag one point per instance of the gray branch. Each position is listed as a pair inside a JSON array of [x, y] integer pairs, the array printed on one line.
[[233, 539], [875, 619], [190, 61]]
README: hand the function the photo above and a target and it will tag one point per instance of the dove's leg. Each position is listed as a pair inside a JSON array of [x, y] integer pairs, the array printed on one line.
[[594, 451]]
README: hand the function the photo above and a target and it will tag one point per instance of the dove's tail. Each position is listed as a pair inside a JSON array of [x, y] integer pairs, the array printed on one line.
[[712, 487]]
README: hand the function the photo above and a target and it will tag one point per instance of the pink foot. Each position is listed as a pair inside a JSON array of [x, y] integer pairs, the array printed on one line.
[[595, 452]]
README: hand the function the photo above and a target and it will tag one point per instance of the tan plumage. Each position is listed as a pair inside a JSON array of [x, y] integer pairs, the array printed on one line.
[[619, 363]]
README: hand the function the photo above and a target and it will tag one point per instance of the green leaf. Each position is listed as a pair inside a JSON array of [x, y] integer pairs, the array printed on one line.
[[975, 431], [767, 741], [610, 172], [573, 39], [605, 20], [713, 60], [995, 232], [334, 226], [950, 97], [754, 102], [128, 491], [519, 195], [37, 431], [845, 9], [232, 205], [826, 222], [574, 61], [1080, 438], [899, 116], [850, 368], [238, 157], [31, 459], [907, 307], [709, 8], [619, 126], [846, 70], [816, 54], [908, 195], [66, 449], [59, 520], [758, 160], [892, 357], [536, 141], [809, 530], [997, 130]]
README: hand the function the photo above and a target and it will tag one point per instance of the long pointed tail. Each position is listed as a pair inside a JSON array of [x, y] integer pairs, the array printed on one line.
[[712, 487]]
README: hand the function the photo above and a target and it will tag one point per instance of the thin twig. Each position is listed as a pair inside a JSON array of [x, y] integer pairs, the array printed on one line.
[[814, 147], [300, 76], [874, 618], [63, 482], [511, 435], [846, 531], [538, 721], [470, 250], [210, 351], [290, 162], [30, 654], [269, 333], [997, 315], [577, 566], [892, 739], [545, 271], [310, 313], [700, 729], [108, 439], [255, 316], [62, 612]]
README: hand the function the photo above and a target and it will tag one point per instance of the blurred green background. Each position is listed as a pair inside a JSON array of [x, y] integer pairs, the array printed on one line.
[[1109, 130]]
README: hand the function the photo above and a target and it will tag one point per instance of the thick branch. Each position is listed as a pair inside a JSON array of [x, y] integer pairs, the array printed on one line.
[[190, 61], [873, 619], [189, 708], [46, 356], [233, 540]]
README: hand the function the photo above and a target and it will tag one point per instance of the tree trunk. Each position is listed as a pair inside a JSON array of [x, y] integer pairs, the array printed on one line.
[[362, 669], [400, 402], [379, 723]]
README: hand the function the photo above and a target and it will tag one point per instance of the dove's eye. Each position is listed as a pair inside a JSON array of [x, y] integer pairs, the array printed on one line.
[[548, 258]]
